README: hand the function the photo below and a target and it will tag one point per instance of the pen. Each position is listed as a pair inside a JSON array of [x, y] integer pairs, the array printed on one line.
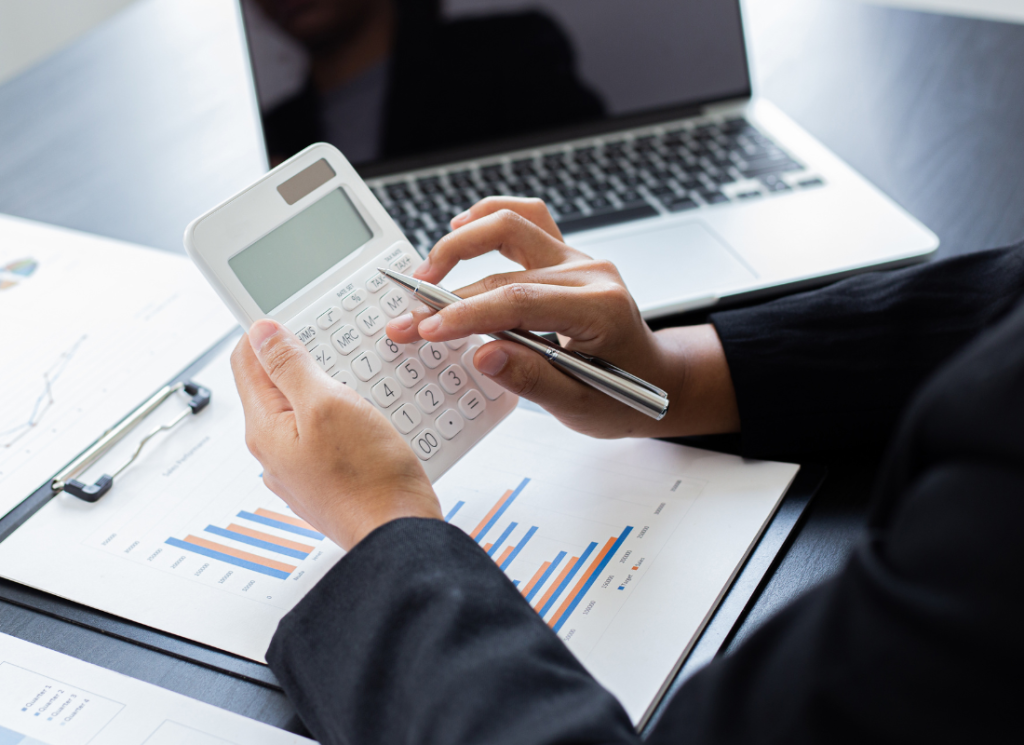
[[593, 371]]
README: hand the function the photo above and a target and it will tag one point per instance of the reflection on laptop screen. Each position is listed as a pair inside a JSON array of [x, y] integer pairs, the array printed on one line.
[[389, 79]]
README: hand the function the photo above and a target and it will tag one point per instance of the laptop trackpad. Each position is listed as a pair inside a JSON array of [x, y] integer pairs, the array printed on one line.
[[665, 264]]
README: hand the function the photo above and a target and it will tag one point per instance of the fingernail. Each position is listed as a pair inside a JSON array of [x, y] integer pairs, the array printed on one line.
[[493, 363], [430, 325], [402, 323], [260, 331], [460, 217], [423, 268]]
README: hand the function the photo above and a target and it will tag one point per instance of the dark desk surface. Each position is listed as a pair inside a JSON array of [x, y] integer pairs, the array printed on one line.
[[144, 124]]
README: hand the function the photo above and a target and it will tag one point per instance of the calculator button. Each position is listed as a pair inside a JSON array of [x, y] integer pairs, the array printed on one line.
[[430, 398], [433, 354], [472, 404], [389, 350], [306, 334], [453, 379], [456, 343], [411, 372], [491, 389], [366, 365], [426, 444], [395, 302], [449, 424], [346, 339], [353, 300], [345, 377], [323, 356], [402, 264], [406, 419], [370, 321], [376, 283], [329, 317], [386, 393]]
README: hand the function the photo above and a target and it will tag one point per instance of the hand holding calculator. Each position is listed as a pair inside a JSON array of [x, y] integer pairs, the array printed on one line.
[[302, 246]]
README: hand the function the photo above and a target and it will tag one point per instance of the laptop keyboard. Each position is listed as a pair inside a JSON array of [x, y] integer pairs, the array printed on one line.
[[609, 180]]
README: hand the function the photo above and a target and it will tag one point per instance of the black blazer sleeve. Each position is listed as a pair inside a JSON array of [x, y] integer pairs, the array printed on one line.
[[832, 370]]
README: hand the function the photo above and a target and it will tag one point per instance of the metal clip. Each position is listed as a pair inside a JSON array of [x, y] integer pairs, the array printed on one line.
[[200, 398]]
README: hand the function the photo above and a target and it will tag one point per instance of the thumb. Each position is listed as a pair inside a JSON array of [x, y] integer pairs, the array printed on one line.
[[285, 360], [527, 374]]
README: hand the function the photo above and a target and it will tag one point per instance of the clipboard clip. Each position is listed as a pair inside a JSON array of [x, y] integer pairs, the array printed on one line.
[[65, 480]]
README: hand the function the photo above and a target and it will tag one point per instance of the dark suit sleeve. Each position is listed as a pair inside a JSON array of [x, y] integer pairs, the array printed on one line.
[[832, 370], [417, 636]]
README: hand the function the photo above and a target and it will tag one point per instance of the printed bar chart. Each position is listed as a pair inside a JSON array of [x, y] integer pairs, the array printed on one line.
[[509, 558], [282, 522], [453, 511], [501, 539], [259, 539]]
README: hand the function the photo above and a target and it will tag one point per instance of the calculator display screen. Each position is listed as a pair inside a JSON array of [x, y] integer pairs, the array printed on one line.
[[294, 254]]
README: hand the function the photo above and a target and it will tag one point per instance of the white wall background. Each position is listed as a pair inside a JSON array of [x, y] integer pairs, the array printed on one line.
[[31, 30]]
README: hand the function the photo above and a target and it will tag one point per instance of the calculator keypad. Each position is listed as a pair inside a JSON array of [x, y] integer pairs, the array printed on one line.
[[430, 391]]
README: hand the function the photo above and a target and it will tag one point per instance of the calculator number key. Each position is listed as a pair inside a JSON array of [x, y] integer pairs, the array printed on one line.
[[370, 321], [426, 444], [388, 350], [430, 398], [323, 356], [433, 354], [449, 424], [453, 379], [406, 419], [411, 372], [346, 339], [329, 317], [386, 393], [472, 404], [366, 366]]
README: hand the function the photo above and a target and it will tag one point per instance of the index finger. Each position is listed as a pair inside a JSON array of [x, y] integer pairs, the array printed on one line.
[[505, 231]]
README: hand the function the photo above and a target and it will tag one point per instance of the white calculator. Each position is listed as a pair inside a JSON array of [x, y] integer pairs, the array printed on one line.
[[302, 246]]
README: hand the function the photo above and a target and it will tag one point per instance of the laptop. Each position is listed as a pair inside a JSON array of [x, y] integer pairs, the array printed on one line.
[[634, 121]]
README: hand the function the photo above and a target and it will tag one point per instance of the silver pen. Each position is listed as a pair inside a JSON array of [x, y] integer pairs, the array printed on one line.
[[593, 371]]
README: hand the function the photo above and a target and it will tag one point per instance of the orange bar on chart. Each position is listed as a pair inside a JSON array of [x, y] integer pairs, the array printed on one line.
[[489, 515], [285, 519], [582, 581], [259, 535], [558, 580], [504, 555], [244, 555], [534, 578], [487, 546]]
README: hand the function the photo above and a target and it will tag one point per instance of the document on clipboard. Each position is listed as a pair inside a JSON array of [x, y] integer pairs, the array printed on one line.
[[90, 328], [624, 548]]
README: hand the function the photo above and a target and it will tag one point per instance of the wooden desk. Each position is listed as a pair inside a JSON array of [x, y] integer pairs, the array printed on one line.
[[147, 122]]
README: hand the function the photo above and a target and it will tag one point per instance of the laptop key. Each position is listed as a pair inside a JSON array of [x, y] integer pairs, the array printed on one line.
[[713, 197], [602, 219], [682, 205]]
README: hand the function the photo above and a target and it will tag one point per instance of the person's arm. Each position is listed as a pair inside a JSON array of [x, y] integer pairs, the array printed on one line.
[[834, 368]]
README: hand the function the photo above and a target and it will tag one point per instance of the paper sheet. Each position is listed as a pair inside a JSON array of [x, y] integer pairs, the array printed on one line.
[[47, 698], [625, 547], [89, 328]]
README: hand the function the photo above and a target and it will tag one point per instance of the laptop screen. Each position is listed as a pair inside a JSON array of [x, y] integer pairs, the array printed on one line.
[[409, 81]]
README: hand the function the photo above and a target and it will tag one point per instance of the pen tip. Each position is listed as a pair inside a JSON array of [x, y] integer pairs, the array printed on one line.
[[383, 271]]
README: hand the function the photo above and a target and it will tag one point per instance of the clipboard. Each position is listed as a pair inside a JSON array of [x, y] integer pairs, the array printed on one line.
[[738, 599]]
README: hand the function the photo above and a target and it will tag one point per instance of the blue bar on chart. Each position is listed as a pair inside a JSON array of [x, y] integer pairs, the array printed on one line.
[[229, 555], [259, 539], [501, 538], [568, 578], [544, 577], [282, 522], [452, 511], [518, 548], [497, 511], [590, 578]]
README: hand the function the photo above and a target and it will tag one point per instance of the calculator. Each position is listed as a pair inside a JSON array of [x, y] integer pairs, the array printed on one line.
[[302, 246]]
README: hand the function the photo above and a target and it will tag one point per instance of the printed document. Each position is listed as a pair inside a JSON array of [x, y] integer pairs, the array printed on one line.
[[623, 547]]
